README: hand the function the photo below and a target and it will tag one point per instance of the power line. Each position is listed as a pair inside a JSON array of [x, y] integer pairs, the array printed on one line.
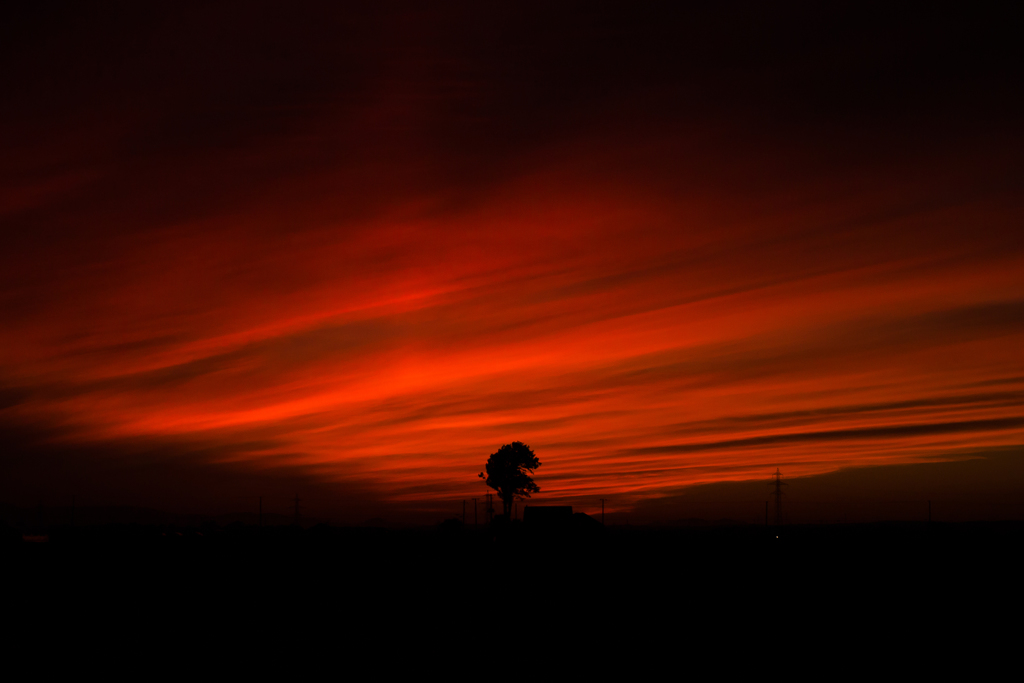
[[778, 484]]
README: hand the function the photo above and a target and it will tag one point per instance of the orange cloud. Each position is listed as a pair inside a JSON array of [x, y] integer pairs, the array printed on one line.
[[381, 277]]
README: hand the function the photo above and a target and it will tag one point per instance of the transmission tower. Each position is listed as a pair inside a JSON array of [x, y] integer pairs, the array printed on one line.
[[777, 483]]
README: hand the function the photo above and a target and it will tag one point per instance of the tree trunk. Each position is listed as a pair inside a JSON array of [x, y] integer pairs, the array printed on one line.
[[507, 504]]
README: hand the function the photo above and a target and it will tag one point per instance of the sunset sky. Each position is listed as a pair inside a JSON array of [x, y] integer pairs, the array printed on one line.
[[348, 250]]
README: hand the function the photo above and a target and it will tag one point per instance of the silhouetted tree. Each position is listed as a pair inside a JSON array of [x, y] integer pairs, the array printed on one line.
[[508, 473]]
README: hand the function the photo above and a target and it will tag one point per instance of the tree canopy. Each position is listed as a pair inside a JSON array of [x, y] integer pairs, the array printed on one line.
[[508, 473]]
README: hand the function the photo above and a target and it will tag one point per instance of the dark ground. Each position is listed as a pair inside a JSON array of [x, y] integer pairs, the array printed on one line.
[[684, 576], [627, 603]]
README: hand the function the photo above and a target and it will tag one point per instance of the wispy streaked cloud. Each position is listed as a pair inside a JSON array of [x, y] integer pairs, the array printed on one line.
[[360, 283]]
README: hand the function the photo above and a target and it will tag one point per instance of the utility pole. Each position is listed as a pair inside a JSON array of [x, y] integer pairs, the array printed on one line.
[[474, 512], [602, 511], [778, 484]]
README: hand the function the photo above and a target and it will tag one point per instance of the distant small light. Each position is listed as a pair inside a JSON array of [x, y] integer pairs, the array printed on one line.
[[776, 537]]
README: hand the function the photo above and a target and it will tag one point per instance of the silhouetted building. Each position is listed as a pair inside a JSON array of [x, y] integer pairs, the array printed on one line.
[[559, 520], [584, 523], [547, 516]]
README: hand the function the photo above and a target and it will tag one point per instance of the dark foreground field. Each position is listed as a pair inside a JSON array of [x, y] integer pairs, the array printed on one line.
[[561, 574], [714, 597]]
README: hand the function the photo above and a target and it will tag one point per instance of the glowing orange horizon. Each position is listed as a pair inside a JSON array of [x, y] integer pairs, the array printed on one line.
[[638, 343]]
